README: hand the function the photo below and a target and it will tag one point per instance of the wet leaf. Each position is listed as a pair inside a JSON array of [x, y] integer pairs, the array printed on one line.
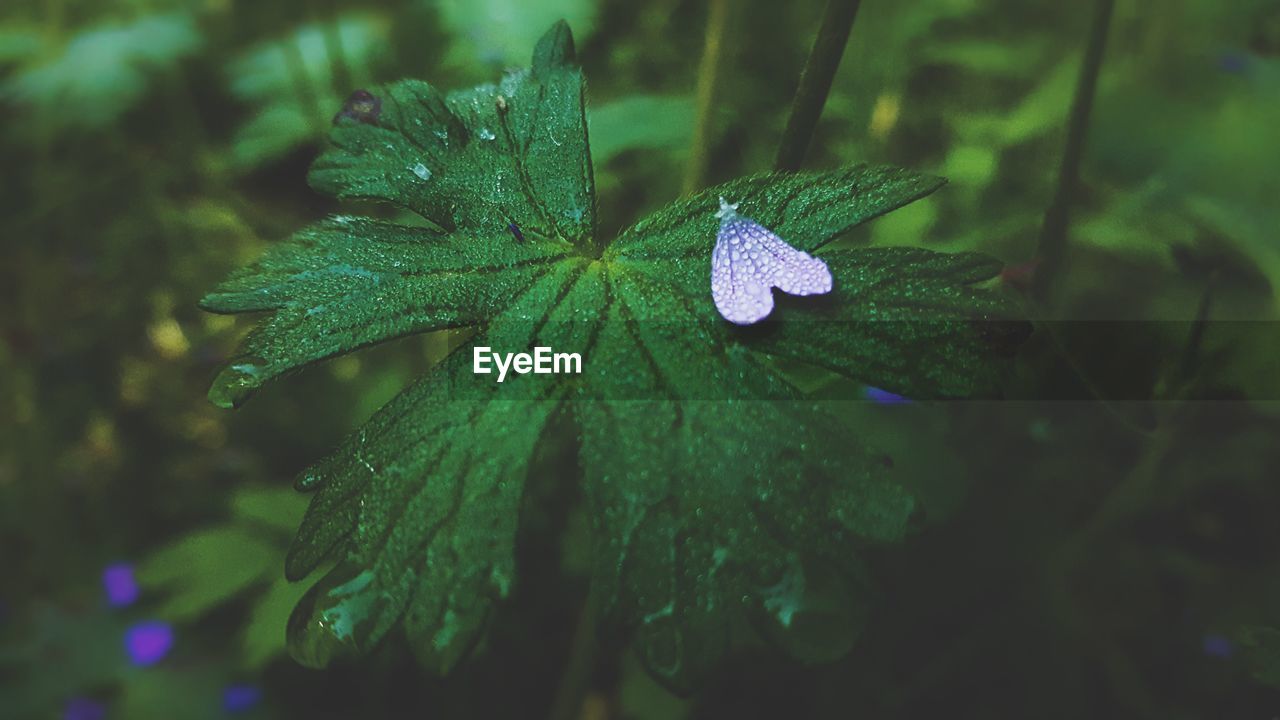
[[722, 501]]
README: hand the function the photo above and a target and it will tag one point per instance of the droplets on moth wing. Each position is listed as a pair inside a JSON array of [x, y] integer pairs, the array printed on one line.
[[749, 260]]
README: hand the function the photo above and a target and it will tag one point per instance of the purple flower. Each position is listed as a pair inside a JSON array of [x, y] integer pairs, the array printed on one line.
[[1217, 646], [148, 641], [82, 708], [239, 698], [1234, 62], [120, 585], [884, 397]]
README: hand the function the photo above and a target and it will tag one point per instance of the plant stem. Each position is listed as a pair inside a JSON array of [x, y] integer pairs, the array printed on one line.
[[332, 28], [304, 90], [708, 72], [1195, 338], [567, 704], [1057, 219], [815, 82]]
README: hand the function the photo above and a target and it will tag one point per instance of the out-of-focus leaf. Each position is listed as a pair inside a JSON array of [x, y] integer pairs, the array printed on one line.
[[89, 654], [908, 226], [158, 692], [1043, 110], [496, 32], [989, 58], [278, 508], [1261, 646], [291, 82], [206, 568], [639, 122], [264, 634], [19, 43], [103, 71]]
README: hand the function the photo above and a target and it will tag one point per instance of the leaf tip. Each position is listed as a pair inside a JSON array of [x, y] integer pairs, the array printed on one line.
[[215, 302], [555, 49]]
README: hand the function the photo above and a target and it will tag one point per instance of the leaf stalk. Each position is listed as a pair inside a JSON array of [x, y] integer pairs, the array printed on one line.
[[815, 82], [1052, 248], [708, 74]]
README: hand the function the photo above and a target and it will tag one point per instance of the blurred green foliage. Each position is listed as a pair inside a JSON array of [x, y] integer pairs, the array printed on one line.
[[1114, 555]]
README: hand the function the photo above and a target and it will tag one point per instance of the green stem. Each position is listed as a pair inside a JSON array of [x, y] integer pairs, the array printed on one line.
[[304, 90], [708, 72], [582, 652], [1057, 219], [815, 82], [332, 29], [1195, 338]]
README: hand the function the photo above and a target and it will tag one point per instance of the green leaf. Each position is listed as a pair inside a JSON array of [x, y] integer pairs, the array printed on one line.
[[496, 32], [19, 43], [426, 512], [1261, 652], [292, 82], [808, 209], [1042, 110], [615, 129], [516, 151], [105, 70], [724, 504], [906, 320], [264, 633], [268, 507], [697, 533], [208, 567], [350, 282]]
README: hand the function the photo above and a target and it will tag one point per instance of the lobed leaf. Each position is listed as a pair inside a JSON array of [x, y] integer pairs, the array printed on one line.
[[425, 511], [906, 320], [701, 523], [722, 501], [351, 282], [807, 209], [478, 159]]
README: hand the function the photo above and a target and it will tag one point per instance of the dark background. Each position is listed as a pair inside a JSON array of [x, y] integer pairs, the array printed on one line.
[[1113, 552]]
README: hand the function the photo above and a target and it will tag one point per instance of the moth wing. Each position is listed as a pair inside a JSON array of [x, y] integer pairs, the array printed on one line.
[[793, 271], [740, 286]]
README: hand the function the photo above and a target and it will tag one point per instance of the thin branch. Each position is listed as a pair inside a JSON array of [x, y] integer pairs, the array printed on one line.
[[1057, 219], [815, 82], [296, 65], [332, 29], [576, 679], [708, 73], [1191, 351]]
